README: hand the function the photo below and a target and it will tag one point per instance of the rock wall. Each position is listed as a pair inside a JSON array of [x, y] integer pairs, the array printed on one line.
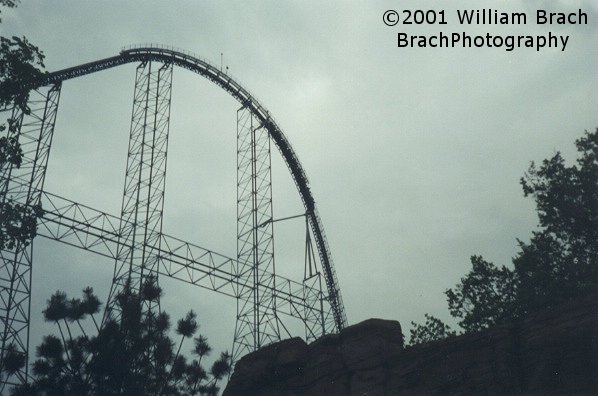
[[551, 352]]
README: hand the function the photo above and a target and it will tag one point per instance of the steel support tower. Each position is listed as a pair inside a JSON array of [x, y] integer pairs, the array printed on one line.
[[21, 187], [257, 321], [317, 320], [143, 198], [135, 241]]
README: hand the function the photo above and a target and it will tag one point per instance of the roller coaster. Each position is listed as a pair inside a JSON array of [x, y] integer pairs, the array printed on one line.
[[134, 239]]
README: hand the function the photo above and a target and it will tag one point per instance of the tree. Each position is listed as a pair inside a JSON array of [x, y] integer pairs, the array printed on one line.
[[485, 297], [433, 329], [21, 63], [133, 355], [559, 263]]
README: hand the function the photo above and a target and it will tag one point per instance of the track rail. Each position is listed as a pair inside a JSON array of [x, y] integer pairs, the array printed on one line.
[[243, 96]]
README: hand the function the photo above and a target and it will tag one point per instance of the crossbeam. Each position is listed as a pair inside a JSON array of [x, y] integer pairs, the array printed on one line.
[[96, 231]]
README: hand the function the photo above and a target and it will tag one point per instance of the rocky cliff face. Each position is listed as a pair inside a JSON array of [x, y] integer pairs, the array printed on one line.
[[551, 352]]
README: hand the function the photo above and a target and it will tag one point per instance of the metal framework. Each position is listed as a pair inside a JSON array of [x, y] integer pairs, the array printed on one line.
[[135, 241], [21, 187]]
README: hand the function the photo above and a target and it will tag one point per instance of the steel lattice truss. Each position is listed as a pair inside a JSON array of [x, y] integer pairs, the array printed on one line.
[[143, 198], [134, 239], [22, 186], [257, 323]]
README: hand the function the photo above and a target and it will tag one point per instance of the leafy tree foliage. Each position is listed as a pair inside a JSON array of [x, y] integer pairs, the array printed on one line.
[[561, 260], [20, 64], [559, 263], [17, 222], [131, 355], [433, 329], [484, 297]]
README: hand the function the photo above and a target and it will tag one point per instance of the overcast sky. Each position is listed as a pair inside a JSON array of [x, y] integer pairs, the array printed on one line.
[[414, 155]]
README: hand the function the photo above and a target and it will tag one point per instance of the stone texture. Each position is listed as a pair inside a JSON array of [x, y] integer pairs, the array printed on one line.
[[555, 351]]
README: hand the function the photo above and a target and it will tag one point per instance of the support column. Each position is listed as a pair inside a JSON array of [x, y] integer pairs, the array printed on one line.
[[257, 321], [20, 191], [143, 197], [313, 312]]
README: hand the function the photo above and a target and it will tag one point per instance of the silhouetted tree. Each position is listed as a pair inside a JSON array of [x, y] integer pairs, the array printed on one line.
[[561, 260], [559, 263], [486, 296], [433, 329], [20, 63], [131, 355]]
